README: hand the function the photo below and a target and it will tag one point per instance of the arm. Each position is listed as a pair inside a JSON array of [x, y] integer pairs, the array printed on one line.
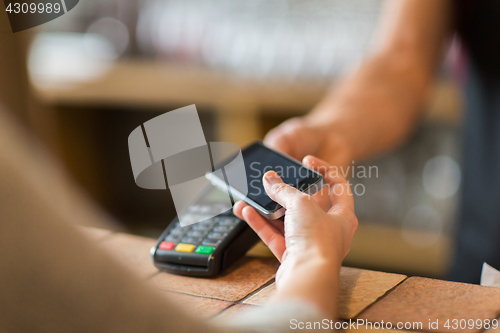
[[54, 280], [377, 106]]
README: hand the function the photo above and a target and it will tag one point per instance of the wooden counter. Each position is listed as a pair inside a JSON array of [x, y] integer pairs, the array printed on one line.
[[368, 295]]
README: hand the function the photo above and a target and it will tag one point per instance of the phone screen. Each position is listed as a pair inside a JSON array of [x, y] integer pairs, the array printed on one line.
[[259, 159]]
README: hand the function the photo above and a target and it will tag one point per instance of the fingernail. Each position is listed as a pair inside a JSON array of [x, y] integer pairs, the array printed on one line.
[[271, 177]]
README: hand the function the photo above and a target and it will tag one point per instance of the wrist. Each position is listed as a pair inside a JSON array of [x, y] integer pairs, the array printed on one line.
[[314, 280], [318, 258]]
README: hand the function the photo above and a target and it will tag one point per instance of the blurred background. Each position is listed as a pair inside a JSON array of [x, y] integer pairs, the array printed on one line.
[[107, 66]]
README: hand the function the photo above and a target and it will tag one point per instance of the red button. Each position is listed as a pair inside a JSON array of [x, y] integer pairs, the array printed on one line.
[[166, 246]]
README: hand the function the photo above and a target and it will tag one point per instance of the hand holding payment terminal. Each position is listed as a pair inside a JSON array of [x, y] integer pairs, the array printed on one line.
[[207, 247]]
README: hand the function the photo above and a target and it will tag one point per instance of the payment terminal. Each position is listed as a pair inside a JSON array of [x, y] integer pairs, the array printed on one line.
[[205, 248]]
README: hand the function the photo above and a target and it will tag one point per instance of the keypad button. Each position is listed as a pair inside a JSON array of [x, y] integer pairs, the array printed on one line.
[[197, 233], [211, 242], [204, 249], [228, 221], [224, 228], [173, 239], [205, 209], [166, 246], [191, 240], [177, 231], [204, 217], [202, 227], [184, 247], [206, 225], [189, 219], [209, 223], [217, 235], [183, 228]]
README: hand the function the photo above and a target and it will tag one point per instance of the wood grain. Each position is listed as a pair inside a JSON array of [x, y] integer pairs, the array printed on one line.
[[234, 310], [358, 289], [203, 307], [421, 299], [244, 277]]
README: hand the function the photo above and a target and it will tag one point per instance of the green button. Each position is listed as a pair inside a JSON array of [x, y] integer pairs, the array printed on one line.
[[204, 249]]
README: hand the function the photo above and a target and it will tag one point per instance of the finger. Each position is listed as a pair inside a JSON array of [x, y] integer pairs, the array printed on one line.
[[280, 192], [275, 139], [238, 207], [322, 197], [339, 189], [322, 167], [325, 169], [287, 138], [272, 237], [278, 225]]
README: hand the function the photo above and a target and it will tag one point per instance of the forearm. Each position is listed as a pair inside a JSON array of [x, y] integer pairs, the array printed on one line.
[[377, 106], [311, 276], [320, 290]]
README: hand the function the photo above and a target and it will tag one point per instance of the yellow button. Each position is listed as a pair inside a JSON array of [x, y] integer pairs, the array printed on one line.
[[184, 247]]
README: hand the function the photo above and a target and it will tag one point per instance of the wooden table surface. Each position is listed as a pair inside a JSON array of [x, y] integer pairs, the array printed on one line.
[[364, 294]]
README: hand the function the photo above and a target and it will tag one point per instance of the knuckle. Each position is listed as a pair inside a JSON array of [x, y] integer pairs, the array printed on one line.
[[354, 223], [273, 133], [293, 126], [303, 200], [341, 181], [279, 188], [346, 213]]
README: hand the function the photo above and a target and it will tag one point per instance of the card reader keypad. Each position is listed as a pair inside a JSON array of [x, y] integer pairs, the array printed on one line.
[[202, 237]]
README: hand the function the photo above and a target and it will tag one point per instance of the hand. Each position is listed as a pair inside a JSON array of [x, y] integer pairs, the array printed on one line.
[[315, 135], [312, 242]]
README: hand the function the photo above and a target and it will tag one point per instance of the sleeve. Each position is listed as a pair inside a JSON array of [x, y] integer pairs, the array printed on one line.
[[281, 317]]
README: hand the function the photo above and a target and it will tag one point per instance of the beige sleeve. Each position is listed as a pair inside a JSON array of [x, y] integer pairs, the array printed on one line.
[[52, 279], [289, 316]]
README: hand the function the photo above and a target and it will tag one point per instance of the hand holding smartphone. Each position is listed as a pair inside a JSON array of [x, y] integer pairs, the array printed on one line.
[[259, 159]]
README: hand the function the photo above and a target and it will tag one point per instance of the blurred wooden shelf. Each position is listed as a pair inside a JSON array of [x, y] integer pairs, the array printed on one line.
[[237, 100], [155, 83]]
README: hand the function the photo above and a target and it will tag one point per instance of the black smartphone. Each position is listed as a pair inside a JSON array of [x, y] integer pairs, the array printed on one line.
[[259, 159]]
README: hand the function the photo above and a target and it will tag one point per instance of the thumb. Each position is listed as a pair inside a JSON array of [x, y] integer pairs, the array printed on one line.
[[280, 192]]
